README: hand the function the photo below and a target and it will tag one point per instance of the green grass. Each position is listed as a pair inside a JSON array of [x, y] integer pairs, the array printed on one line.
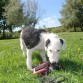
[[13, 64]]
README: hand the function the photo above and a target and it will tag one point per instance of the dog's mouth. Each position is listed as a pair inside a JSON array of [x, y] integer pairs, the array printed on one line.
[[55, 66]]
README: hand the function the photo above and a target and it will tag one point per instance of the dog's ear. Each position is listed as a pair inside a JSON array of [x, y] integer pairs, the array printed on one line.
[[47, 43], [63, 44]]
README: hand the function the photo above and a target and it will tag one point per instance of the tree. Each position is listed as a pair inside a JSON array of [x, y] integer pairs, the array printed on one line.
[[13, 13], [72, 14], [2, 4], [2, 20], [16, 15], [32, 14]]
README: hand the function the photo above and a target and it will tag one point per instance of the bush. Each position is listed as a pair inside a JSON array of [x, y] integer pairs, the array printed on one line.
[[9, 35], [56, 30], [78, 29], [16, 34]]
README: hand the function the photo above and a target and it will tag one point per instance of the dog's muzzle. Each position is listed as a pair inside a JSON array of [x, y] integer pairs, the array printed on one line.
[[55, 66]]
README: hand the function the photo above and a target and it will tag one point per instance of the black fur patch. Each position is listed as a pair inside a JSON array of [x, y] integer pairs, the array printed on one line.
[[31, 36], [61, 40], [47, 42]]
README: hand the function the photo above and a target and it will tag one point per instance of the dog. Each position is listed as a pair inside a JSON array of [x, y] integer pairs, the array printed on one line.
[[32, 39]]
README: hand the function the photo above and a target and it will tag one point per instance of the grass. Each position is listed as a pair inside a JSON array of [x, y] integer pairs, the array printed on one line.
[[13, 68]]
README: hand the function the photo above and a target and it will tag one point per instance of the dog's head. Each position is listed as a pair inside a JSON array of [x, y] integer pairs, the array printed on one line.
[[53, 47]]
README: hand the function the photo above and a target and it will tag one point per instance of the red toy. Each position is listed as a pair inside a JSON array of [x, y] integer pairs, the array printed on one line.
[[41, 68]]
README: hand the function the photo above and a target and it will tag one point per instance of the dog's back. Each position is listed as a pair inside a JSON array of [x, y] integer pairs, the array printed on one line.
[[31, 36]]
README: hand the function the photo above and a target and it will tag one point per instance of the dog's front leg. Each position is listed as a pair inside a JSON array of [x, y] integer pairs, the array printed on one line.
[[29, 59], [43, 56]]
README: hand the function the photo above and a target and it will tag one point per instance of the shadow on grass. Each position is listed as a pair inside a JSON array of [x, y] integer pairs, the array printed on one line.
[[36, 55], [72, 66], [68, 65]]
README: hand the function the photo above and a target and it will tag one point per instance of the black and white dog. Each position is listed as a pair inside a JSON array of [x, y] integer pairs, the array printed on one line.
[[38, 39]]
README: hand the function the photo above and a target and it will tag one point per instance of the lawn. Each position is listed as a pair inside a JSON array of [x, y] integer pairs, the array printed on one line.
[[13, 64]]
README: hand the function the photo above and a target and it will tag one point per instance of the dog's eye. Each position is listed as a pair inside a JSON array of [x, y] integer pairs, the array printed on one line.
[[50, 50]]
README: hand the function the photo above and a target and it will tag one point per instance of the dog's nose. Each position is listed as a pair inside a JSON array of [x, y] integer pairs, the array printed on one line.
[[53, 63], [55, 66]]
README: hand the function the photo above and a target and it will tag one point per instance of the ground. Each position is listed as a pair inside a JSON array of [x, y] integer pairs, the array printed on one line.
[[13, 68]]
